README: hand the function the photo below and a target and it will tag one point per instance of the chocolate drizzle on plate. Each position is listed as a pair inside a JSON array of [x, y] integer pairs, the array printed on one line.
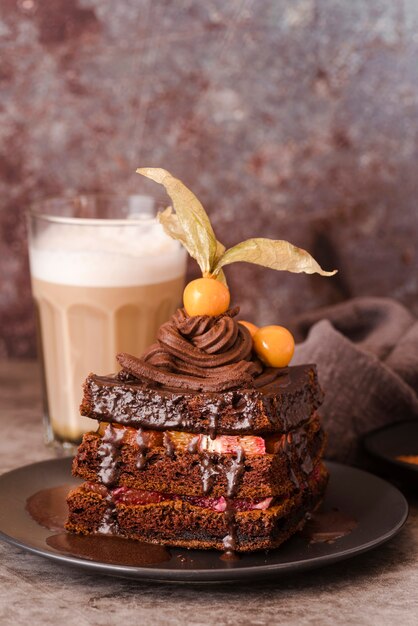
[[328, 526], [112, 550], [48, 507]]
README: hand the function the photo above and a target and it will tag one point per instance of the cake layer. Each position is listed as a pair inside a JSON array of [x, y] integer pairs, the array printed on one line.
[[259, 467], [178, 522], [277, 407]]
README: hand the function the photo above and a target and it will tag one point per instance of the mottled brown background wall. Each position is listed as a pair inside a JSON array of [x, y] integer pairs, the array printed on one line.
[[289, 118]]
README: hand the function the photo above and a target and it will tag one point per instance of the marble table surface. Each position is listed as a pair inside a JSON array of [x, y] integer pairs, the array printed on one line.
[[379, 587]]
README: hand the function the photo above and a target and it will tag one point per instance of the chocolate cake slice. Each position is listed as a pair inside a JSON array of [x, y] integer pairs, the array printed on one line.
[[195, 465], [200, 444], [241, 525], [277, 406]]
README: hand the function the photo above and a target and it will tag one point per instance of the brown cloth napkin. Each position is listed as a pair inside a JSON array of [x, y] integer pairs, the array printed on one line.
[[366, 350]]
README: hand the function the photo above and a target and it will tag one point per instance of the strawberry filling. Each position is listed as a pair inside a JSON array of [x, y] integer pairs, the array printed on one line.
[[192, 443], [135, 497]]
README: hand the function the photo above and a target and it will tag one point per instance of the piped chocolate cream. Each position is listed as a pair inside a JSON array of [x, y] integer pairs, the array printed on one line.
[[201, 353]]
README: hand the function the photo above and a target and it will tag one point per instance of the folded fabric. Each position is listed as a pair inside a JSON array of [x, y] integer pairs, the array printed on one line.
[[366, 350]]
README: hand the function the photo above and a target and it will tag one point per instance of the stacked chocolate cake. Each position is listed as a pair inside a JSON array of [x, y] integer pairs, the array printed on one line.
[[199, 444]]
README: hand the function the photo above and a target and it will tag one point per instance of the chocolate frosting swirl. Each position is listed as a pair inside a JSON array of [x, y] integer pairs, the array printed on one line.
[[200, 353]]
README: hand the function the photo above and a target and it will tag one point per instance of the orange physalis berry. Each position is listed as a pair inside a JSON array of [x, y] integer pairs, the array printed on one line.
[[249, 326], [206, 296], [274, 345]]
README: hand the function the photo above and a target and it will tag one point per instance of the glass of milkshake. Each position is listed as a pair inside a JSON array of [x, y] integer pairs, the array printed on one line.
[[104, 276]]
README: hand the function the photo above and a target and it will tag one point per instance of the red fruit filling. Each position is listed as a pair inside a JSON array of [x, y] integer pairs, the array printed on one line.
[[189, 442], [135, 497], [192, 443]]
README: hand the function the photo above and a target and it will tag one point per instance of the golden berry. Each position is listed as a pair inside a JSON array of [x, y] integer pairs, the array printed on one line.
[[274, 345], [249, 326], [206, 296]]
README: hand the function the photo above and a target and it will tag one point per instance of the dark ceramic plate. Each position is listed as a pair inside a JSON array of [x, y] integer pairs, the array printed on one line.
[[379, 508], [386, 443]]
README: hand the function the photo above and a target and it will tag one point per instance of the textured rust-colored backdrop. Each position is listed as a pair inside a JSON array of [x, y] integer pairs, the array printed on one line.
[[288, 118]]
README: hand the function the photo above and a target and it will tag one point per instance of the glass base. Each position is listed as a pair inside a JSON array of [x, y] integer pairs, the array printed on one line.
[[62, 448]]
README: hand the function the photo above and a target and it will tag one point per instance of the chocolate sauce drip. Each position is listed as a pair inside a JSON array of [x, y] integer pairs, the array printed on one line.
[[230, 540], [142, 448], [201, 353], [233, 478], [109, 451], [234, 473], [193, 446], [169, 446], [208, 471], [109, 524], [212, 412]]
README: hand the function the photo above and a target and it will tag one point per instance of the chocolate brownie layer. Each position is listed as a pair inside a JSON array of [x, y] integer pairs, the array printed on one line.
[[202, 473], [179, 523], [277, 407]]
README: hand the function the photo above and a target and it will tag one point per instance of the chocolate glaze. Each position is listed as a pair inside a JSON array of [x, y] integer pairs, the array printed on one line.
[[328, 526], [201, 353], [278, 406], [112, 550]]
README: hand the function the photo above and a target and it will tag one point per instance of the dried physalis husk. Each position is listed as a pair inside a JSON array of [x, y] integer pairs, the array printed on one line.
[[191, 226], [276, 254], [171, 224]]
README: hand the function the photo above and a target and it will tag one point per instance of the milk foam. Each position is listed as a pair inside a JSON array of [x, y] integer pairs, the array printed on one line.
[[104, 255]]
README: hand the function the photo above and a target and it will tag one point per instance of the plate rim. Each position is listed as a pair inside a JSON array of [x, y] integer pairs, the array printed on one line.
[[199, 576]]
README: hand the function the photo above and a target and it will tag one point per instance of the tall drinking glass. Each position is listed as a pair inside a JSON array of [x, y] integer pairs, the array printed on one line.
[[104, 278]]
